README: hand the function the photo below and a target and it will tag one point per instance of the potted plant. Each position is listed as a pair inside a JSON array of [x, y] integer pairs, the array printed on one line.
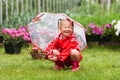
[[1, 36], [14, 38]]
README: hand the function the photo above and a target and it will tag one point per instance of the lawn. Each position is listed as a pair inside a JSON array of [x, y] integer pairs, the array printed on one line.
[[99, 63]]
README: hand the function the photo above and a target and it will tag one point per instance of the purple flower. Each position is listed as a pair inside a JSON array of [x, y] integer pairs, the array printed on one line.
[[22, 29], [18, 33], [98, 31], [101, 30], [91, 25], [26, 37], [95, 30], [14, 36], [108, 26], [4, 30], [11, 32]]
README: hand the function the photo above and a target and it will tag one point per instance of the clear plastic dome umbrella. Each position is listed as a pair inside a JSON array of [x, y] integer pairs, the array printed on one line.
[[44, 28]]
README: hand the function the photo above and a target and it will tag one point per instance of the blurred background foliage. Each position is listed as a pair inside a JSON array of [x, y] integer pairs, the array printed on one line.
[[20, 12]]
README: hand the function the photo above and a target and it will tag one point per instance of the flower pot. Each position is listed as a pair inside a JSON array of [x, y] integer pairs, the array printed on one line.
[[1, 39], [13, 48]]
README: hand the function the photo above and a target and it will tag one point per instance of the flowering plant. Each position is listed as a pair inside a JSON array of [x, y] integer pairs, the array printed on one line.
[[103, 30], [116, 25], [100, 33], [13, 35]]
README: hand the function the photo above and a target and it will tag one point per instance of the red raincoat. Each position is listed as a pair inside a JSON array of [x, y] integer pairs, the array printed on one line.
[[64, 46]]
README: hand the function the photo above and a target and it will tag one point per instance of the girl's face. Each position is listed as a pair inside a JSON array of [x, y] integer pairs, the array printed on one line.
[[66, 28]]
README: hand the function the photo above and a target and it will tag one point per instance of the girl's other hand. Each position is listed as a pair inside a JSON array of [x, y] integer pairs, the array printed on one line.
[[52, 58]]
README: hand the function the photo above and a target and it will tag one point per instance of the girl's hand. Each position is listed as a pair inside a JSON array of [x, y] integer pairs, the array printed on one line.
[[52, 58]]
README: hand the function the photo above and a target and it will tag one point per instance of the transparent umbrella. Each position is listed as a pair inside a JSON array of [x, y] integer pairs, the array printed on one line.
[[44, 28]]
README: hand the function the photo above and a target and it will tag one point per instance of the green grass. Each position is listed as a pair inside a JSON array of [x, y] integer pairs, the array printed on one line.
[[98, 20], [99, 63]]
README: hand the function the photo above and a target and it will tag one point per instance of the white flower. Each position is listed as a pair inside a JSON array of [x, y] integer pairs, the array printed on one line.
[[114, 21], [117, 28], [118, 21]]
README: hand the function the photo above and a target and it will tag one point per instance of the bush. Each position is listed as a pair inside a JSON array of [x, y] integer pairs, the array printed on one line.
[[100, 21]]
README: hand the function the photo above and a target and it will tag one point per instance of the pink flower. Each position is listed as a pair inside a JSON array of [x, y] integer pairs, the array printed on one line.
[[14, 36], [91, 25], [18, 33], [95, 30], [26, 37], [4, 30], [22, 29], [98, 31], [108, 26], [101, 30], [11, 32]]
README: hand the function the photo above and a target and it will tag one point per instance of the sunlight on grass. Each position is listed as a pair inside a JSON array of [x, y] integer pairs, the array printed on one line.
[[99, 63]]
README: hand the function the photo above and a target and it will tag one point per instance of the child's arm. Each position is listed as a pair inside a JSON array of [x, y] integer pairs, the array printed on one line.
[[51, 46]]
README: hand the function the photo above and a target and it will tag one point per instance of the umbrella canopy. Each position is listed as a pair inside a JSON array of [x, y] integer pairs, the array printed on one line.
[[44, 28]]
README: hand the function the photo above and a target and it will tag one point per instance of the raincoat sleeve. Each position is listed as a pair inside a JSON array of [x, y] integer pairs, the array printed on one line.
[[51, 46], [65, 53]]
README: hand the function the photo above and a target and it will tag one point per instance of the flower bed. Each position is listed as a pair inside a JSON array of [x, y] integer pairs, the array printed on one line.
[[105, 33]]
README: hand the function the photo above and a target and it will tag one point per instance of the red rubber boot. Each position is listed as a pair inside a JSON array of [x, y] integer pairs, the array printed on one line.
[[58, 65], [75, 65]]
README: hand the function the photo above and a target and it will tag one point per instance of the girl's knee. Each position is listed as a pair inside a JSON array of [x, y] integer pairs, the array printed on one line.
[[74, 52], [75, 55]]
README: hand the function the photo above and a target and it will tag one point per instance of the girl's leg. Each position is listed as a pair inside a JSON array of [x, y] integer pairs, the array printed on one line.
[[75, 57], [58, 64]]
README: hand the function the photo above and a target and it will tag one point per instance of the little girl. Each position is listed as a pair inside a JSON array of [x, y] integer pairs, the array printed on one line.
[[64, 50]]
